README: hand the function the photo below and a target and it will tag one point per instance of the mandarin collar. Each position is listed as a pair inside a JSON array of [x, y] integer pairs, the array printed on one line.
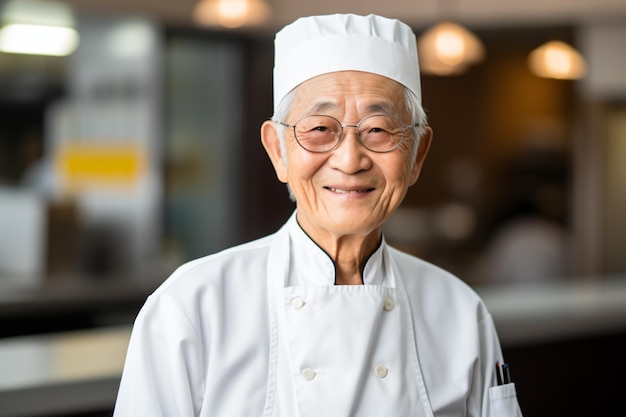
[[311, 265]]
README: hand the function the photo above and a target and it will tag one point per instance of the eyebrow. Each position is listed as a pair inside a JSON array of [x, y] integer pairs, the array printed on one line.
[[380, 108], [321, 106]]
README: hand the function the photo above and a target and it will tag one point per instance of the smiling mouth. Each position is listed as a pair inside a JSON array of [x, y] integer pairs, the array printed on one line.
[[341, 191]]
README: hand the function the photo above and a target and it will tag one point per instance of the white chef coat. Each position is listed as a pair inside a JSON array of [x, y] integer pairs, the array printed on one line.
[[261, 330]]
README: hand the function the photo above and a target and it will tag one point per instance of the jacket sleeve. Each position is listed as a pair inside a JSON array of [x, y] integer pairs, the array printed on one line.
[[163, 372], [497, 401]]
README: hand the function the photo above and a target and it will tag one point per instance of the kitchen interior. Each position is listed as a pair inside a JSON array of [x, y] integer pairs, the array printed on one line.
[[135, 147]]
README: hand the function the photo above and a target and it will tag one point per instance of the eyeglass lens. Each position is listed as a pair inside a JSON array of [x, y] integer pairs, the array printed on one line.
[[378, 133]]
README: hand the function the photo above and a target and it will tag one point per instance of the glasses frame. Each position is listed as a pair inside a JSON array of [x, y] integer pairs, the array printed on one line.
[[356, 126]]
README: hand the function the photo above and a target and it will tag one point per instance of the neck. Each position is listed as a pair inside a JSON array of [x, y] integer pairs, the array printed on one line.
[[348, 252], [350, 255]]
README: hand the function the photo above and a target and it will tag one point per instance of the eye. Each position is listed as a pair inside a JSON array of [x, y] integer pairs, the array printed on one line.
[[381, 124], [320, 128], [317, 125]]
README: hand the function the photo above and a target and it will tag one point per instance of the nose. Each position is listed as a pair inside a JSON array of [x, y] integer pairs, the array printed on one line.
[[350, 156]]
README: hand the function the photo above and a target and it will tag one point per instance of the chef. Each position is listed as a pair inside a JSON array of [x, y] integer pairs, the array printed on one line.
[[324, 318]]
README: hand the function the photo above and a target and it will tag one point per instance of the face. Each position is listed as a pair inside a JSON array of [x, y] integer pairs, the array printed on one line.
[[349, 190]]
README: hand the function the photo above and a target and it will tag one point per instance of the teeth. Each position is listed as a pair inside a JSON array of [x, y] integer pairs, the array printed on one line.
[[340, 191]]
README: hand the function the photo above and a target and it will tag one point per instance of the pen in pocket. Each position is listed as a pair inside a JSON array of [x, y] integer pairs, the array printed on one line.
[[503, 374], [506, 372], [498, 374]]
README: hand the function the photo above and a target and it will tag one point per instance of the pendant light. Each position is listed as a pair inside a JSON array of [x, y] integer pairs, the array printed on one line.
[[449, 49], [230, 13], [556, 59]]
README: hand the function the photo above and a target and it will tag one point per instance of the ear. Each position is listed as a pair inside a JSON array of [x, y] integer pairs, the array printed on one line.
[[271, 143], [424, 146]]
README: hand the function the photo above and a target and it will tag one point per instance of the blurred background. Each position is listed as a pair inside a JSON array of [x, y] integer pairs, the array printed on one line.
[[129, 144]]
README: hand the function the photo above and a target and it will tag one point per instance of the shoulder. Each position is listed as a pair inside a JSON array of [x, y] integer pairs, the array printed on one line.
[[211, 268], [213, 281]]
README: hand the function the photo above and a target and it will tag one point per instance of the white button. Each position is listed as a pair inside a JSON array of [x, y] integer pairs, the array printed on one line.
[[308, 374], [389, 304], [381, 371], [297, 303]]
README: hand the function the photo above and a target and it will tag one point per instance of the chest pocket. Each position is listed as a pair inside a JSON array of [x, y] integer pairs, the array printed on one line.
[[351, 352], [503, 401]]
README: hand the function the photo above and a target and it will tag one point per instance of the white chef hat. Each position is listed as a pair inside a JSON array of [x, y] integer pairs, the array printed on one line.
[[317, 45]]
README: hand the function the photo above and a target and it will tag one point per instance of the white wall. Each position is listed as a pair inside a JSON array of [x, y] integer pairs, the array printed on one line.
[[604, 47]]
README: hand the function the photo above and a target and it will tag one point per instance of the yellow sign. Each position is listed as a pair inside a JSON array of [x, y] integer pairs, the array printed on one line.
[[87, 164]]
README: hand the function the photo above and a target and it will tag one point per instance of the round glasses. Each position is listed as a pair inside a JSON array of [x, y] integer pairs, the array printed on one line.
[[321, 133]]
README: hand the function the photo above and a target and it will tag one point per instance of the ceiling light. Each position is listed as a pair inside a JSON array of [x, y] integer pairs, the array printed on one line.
[[230, 13], [448, 48], [556, 59], [37, 28], [38, 40]]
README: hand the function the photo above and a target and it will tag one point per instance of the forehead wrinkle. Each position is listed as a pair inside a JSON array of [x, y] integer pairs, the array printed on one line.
[[374, 108]]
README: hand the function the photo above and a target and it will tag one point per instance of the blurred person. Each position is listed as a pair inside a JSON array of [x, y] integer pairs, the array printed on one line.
[[529, 241], [323, 318], [531, 244]]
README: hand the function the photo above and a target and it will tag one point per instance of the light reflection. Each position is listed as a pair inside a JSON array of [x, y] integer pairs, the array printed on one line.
[[142, 35]]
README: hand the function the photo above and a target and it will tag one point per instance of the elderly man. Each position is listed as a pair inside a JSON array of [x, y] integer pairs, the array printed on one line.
[[323, 318]]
